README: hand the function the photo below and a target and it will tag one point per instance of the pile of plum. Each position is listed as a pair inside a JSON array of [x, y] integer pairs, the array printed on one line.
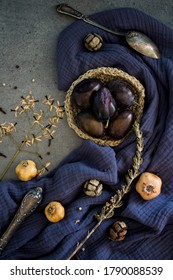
[[104, 109]]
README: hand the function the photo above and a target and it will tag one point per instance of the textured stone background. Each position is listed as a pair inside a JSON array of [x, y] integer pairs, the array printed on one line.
[[28, 32]]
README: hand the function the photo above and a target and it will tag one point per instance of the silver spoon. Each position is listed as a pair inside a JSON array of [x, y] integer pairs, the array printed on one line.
[[137, 40], [28, 205]]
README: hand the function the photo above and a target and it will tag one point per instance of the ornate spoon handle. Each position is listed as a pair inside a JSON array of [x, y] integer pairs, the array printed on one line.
[[29, 203], [68, 10]]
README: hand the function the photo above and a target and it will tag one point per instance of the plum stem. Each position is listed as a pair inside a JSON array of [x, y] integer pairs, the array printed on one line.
[[107, 123]]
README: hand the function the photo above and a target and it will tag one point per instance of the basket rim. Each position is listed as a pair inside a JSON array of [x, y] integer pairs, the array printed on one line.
[[110, 73]]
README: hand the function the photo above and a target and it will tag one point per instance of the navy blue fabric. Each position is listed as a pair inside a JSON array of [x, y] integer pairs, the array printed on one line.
[[150, 223]]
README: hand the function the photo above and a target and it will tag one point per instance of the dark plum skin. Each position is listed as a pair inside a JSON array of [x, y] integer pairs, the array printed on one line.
[[122, 92], [121, 125], [83, 91], [104, 105], [87, 122]]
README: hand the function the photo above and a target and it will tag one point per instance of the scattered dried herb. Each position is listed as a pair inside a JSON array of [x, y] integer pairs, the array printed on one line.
[[42, 124], [2, 155], [2, 111]]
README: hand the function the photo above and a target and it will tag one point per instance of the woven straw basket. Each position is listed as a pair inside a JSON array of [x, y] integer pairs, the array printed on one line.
[[105, 74]]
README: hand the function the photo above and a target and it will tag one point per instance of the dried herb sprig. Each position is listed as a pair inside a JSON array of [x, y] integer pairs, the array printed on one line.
[[108, 209]]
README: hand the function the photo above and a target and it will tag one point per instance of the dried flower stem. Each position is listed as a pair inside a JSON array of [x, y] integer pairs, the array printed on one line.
[[116, 201], [13, 140], [19, 149], [80, 245], [12, 160]]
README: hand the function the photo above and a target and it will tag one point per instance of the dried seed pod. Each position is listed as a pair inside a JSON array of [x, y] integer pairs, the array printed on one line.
[[93, 187], [93, 42], [118, 231], [149, 185]]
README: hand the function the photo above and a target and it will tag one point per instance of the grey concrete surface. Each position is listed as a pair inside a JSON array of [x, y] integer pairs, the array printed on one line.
[[28, 36]]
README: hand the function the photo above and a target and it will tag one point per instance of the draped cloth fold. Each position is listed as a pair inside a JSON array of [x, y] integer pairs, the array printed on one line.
[[150, 223]]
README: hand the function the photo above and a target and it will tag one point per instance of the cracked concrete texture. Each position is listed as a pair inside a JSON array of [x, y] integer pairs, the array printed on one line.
[[28, 33]]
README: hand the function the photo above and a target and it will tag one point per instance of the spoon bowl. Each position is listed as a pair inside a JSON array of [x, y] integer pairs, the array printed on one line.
[[136, 40], [142, 44]]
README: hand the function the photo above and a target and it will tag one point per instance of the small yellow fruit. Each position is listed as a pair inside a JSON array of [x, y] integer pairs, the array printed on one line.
[[149, 185], [26, 170], [54, 211]]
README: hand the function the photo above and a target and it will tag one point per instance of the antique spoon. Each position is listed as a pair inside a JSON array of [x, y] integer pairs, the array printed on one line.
[[28, 205], [137, 40]]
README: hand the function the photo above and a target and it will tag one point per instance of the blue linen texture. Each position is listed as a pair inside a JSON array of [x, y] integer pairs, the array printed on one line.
[[150, 223]]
